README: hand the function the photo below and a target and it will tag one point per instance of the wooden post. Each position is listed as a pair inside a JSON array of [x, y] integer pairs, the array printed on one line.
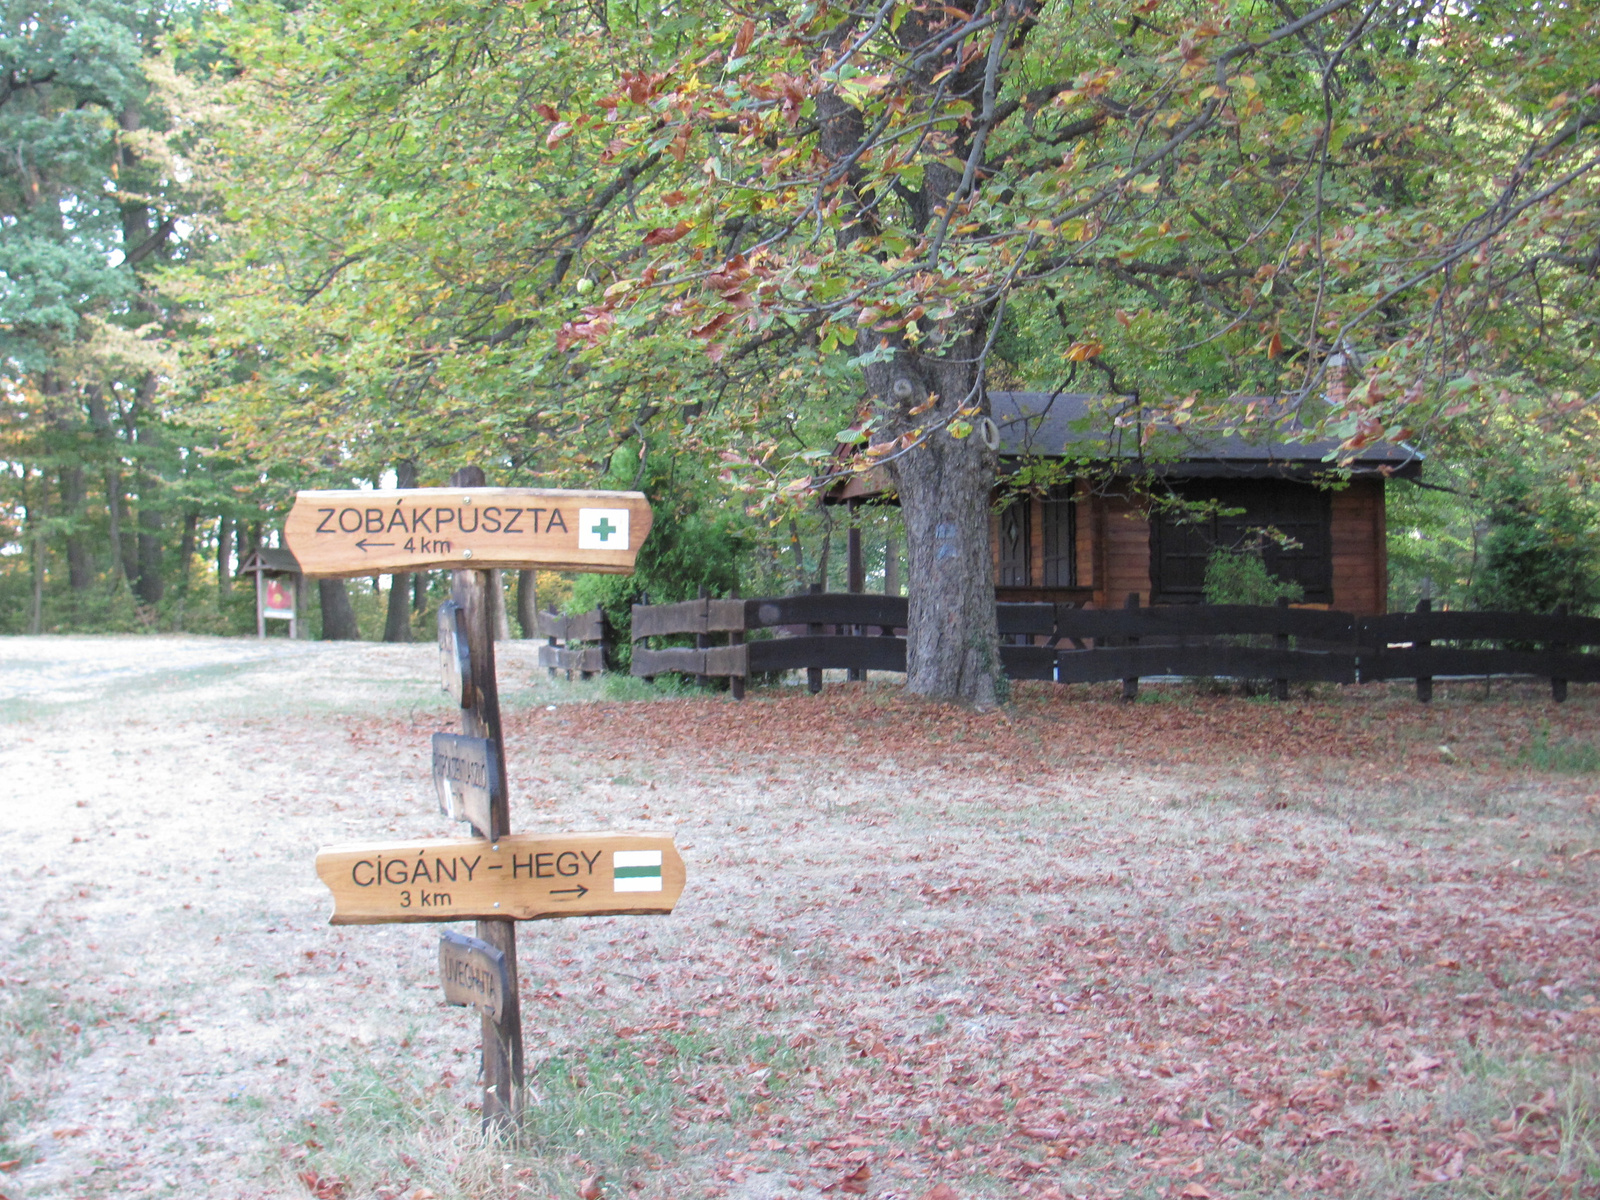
[[702, 640], [855, 575], [261, 605], [1424, 682], [1130, 684], [502, 1039], [736, 638], [1558, 687], [814, 674], [1280, 686]]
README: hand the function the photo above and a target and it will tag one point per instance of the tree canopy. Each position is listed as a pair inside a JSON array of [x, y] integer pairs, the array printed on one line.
[[747, 249]]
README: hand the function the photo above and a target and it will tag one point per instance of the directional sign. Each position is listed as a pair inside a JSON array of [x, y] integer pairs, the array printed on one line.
[[466, 774], [523, 876], [374, 533], [473, 973], [455, 659]]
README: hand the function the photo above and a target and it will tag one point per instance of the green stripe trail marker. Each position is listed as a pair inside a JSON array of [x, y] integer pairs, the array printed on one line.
[[636, 871]]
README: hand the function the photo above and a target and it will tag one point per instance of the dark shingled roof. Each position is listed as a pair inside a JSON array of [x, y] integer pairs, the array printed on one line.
[[271, 561], [1062, 423]]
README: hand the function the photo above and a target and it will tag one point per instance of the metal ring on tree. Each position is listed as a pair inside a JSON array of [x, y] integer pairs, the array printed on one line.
[[989, 432]]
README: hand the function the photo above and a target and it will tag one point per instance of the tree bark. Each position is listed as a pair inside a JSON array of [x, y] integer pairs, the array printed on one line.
[[891, 566], [497, 606], [528, 602], [191, 529], [397, 621], [80, 565], [952, 643], [224, 555], [35, 518], [338, 618], [419, 591]]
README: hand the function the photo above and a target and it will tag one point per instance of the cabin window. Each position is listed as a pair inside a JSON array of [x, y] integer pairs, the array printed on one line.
[[1014, 538], [1059, 513], [1304, 512]]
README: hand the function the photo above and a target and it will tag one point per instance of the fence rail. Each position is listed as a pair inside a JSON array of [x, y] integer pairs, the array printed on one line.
[[1077, 645], [580, 627]]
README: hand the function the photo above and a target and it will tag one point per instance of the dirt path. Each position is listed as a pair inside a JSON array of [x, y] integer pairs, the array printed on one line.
[[1079, 949]]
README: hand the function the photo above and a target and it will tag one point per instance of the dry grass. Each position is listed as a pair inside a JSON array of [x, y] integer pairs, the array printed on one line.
[[1193, 946]]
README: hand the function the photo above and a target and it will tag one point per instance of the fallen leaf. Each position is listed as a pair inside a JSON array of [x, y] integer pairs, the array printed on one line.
[[1195, 1192], [940, 1191], [589, 1189]]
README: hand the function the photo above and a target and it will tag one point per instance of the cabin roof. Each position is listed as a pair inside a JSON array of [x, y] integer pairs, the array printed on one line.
[[1081, 425], [1089, 426]]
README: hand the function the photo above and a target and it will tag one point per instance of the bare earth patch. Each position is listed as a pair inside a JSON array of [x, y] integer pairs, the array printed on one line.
[[1194, 946]]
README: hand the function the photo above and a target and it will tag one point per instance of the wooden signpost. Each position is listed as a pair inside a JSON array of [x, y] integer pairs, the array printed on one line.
[[497, 878]]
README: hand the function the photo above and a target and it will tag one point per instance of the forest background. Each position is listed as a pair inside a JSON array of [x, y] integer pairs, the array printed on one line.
[[714, 252]]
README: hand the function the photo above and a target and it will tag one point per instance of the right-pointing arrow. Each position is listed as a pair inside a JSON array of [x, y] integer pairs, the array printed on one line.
[[578, 893]]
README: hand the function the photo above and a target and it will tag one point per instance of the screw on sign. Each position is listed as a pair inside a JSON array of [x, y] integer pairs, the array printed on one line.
[[496, 878]]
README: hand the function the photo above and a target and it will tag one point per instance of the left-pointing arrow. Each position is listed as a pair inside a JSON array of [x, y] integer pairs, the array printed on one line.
[[363, 544]]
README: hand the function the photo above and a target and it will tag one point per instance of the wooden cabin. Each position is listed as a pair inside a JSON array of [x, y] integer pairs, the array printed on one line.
[[1092, 544]]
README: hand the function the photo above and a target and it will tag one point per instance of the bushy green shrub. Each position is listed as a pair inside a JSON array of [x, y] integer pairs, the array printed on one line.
[[1241, 577], [1539, 550], [687, 550]]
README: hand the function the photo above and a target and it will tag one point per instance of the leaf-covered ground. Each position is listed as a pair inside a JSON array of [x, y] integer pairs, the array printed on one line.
[[1192, 946]]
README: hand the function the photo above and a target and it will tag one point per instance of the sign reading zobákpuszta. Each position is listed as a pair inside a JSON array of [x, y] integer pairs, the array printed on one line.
[[372, 533]]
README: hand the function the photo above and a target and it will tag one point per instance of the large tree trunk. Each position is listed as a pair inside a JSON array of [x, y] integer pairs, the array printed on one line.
[[100, 421], [497, 606], [952, 643], [338, 618], [151, 584], [397, 621], [191, 529], [528, 602], [224, 555], [80, 565]]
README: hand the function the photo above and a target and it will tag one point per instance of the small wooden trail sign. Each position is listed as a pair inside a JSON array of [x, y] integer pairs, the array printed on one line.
[[522, 877], [455, 655], [477, 528], [473, 973], [466, 774]]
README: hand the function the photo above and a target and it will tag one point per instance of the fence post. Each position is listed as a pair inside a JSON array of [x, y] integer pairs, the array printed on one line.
[[702, 639], [1280, 687], [1424, 682], [1130, 684], [814, 674], [607, 639], [1558, 687], [855, 575], [736, 638]]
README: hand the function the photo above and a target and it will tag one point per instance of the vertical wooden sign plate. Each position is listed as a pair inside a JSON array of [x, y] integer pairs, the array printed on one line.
[[466, 774], [455, 658], [472, 972]]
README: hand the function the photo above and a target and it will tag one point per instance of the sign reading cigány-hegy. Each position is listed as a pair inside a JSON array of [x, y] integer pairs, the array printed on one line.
[[378, 532], [521, 876]]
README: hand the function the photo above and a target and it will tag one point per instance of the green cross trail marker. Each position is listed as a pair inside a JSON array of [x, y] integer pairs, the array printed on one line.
[[605, 529]]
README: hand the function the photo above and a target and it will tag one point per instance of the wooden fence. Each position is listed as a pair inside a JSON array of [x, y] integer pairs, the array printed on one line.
[[1065, 644], [582, 628]]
